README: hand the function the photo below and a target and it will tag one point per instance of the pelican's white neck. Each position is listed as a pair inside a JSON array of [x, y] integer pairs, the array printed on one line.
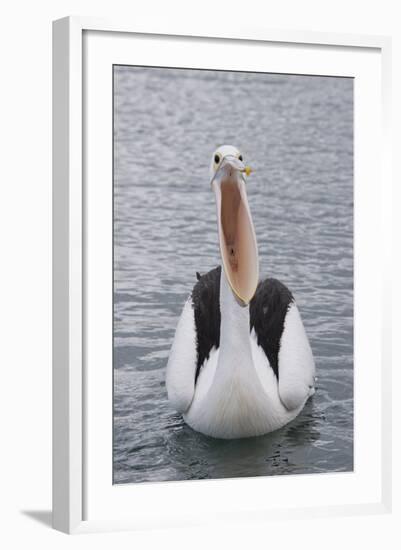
[[235, 347], [234, 317]]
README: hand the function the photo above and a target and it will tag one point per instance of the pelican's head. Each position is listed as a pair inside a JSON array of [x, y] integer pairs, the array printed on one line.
[[238, 247]]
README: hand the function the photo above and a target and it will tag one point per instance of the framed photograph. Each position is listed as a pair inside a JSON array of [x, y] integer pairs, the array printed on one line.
[[220, 220]]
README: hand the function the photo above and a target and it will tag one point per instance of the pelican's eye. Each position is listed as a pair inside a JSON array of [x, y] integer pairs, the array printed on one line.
[[217, 159], [240, 158]]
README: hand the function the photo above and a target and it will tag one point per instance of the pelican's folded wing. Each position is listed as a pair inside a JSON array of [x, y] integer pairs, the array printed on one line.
[[197, 333], [280, 332]]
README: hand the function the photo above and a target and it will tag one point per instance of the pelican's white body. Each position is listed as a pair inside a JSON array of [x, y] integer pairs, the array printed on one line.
[[237, 393]]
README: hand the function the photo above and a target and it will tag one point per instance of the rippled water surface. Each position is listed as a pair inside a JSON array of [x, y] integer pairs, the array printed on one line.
[[296, 131]]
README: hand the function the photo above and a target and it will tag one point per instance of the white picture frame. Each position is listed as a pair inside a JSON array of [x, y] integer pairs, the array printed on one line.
[[76, 479]]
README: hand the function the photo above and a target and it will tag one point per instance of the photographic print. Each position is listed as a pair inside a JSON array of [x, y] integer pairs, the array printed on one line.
[[232, 274]]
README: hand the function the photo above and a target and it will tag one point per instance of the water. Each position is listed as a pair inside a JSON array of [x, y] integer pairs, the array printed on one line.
[[296, 131]]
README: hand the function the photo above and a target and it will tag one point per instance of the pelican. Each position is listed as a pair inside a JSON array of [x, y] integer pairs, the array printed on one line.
[[240, 364]]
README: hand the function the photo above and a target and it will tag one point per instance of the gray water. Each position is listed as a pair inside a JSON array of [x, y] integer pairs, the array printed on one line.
[[297, 133]]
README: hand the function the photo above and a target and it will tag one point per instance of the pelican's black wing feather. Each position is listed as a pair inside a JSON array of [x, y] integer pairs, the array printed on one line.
[[206, 304], [268, 309]]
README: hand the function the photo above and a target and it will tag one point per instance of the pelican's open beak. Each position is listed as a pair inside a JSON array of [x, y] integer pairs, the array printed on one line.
[[238, 245]]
